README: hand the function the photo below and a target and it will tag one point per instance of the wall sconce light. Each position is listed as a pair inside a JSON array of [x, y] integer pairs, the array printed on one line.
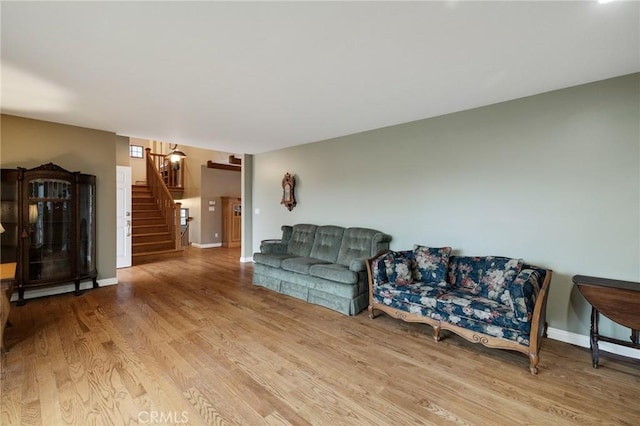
[[175, 155], [1, 229], [33, 213]]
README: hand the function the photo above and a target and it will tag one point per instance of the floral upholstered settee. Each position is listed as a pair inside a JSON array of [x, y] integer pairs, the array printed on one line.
[[324, 265], [497, 301]]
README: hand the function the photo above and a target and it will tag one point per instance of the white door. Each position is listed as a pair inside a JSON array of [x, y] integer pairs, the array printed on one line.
[[123, 216]]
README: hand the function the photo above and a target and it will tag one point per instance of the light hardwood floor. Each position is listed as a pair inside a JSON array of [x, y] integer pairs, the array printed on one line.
[[191, 341]]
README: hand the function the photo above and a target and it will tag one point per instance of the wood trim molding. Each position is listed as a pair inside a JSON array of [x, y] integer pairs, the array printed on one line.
[[222, 166]]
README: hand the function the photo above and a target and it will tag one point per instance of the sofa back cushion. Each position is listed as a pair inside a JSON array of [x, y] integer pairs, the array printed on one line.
[[430, 265], [326, 243], [361, 243], [398, 267], [488, 276], [301, 240]]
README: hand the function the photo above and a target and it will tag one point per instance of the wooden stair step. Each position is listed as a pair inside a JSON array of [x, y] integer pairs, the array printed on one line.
[[148, 214], [150, 232], [142, 222], [144, 207], [148, 229], [151, 237], [152, 246]]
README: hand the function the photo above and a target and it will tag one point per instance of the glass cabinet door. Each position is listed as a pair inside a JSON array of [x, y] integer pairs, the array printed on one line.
[[9, 217], [86, 223], [50, 229]]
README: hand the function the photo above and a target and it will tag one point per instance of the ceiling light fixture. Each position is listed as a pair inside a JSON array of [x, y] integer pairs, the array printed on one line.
[[605, 1], [175, 155]]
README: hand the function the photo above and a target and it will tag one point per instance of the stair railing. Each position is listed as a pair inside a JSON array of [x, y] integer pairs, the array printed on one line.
[[185, 233], [170, 209], [172, 174]]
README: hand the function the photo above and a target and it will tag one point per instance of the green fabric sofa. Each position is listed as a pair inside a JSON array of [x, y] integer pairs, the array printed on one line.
[[324, 265]]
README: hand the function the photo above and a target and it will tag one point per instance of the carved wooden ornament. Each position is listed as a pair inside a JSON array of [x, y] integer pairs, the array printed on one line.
[[288, 196]]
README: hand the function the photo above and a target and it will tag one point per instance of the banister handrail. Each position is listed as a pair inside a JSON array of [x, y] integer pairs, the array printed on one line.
[[170, 210], [172, 176]]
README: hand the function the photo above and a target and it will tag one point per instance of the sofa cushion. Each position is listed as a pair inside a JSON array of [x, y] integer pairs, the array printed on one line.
[[417, 298], [463, 302], [358, 243], [274, 260], [334, 272], [300, 265], [524, 290], [326, 243], [482, 327], [301, 240], [488, 276], [399, 268], [430, 264]]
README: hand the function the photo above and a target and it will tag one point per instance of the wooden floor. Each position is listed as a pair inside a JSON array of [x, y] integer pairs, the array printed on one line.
[[191, 341]]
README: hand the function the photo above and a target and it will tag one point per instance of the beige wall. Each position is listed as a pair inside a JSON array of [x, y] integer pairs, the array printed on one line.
[[216, 183], [553, 179], [138, 165], [122, 151], [192, 199], [30, 143]]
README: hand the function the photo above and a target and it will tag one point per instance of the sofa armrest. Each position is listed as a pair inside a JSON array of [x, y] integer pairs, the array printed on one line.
[[358, 265], [524, 291], [376, 271], [273, 247]]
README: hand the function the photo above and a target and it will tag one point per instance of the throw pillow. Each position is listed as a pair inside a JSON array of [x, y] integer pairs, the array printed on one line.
[[398, 268], [430, 264], [497, 275]]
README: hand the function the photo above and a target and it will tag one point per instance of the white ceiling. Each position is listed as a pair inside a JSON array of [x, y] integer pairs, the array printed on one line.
[[253, 77]]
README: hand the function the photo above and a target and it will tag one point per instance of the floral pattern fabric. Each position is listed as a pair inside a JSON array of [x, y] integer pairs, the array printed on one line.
[[463, 303], [524, 292], [430, 264], [488, 276], [417, 298], [399, 268], [491, 295], [482, 327]]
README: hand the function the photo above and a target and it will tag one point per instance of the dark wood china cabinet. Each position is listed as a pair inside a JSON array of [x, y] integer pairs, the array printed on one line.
[[49, 217]]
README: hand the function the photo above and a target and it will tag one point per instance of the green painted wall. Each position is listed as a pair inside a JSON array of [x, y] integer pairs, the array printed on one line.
[[553, 179]]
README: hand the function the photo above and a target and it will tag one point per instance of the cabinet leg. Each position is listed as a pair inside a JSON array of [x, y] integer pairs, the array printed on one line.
[[77, 292], [595, 354], [95, 282], [20, 301]]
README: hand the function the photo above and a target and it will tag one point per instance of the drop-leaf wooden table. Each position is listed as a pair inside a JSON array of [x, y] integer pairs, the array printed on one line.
[[617, 300]]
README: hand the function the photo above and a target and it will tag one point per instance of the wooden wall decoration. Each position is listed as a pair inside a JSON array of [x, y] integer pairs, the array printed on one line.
[[288, 194]]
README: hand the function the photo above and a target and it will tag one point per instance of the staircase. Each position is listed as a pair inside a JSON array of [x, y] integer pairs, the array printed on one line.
[[150, 234]]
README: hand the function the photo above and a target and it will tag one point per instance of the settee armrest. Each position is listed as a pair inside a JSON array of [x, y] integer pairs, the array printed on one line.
[[376, 269], [273, 247], [525, 289], [358, 265]]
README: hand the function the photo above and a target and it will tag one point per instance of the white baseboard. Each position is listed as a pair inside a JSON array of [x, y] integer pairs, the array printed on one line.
[[205, 246], [246, 259], [107, 281], [585, 342], [63, 288]]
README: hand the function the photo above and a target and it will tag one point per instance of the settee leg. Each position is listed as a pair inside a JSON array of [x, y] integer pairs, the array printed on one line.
[[436, 333], [533, 364], [372, 314]]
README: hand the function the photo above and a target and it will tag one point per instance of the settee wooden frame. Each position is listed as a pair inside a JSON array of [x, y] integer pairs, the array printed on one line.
[[538, 323]]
